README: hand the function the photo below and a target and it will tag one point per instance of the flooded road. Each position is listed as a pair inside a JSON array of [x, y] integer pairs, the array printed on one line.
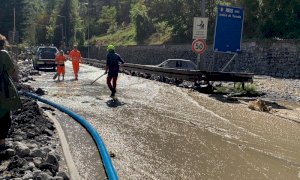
[[160, 131]]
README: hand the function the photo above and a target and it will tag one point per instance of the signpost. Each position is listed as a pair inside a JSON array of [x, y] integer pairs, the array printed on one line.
[[199, 47], [200, 28], [200, 34], [228, 31]]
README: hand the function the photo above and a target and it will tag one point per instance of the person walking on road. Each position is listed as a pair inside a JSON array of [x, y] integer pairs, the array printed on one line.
[[75, 57], [9, 98], [112, 68], [60, 61]]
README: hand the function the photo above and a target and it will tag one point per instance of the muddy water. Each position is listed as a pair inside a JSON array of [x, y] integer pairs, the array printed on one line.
[[158, 131]]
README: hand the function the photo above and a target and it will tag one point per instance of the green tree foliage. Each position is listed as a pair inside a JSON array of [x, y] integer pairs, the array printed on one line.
[[143, 25], [25, 10], [280, 18], [178, 14], [67, 18], [108, 19], [54, 21], [251, 16]]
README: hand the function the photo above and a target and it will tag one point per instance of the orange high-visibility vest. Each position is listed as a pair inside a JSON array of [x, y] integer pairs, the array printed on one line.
[[75, 55], [60, 59]]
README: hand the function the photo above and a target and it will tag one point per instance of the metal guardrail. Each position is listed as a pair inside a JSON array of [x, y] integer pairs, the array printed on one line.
[[189, 75]]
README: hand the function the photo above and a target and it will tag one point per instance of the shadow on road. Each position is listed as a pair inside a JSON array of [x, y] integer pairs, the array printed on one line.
[[114, 103], [224, 99]]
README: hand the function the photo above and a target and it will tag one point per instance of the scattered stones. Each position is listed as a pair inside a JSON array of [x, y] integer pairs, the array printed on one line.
[[31, 140], [258, 105], [111, 154], [40, 92], [52, 159], [62, 174], [43, 176], [28, 175], [37, 161], [10, 152], [37, 153], [21, 149]]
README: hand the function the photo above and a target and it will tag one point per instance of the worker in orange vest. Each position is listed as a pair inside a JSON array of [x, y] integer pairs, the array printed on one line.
[[60, 61], [75, 57]]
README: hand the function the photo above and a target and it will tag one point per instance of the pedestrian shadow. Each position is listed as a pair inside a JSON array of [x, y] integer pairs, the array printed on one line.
[[114, 103]]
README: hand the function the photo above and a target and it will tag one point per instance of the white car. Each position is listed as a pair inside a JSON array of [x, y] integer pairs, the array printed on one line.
[[178, 64]]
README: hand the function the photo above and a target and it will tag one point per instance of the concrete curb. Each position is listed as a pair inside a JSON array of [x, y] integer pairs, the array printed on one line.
[[74, 174]]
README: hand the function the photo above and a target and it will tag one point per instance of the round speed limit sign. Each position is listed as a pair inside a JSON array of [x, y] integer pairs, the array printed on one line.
[[199, 46]]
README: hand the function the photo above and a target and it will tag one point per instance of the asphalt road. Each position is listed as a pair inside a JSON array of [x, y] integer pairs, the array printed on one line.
[[160, 131]]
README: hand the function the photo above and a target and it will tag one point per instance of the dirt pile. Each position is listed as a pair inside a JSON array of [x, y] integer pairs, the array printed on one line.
[[31, 142]]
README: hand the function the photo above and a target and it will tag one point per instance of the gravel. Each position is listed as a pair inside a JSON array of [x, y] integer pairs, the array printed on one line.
[[32, 141]]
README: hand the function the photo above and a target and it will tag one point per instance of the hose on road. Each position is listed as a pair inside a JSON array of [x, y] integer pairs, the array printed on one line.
[[108, 166]]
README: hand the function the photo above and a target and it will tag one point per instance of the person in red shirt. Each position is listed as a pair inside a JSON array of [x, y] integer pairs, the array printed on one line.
[[75, 57], [60, 61]]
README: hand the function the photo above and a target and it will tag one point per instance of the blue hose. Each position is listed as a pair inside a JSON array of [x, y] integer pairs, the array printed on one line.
[[109, 169]]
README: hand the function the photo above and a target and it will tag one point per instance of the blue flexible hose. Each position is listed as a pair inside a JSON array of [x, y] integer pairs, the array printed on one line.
[[109, 169]]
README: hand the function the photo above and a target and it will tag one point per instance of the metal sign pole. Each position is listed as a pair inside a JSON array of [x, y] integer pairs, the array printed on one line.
[[235, 54], [199, 62]]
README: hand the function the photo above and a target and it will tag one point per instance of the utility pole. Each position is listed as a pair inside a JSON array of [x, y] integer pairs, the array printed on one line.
[[14, 30], [65, 28], [88, 29], [203, 2], [62, 32], [200, 63]]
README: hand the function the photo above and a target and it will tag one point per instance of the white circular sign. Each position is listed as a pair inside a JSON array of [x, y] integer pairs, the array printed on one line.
[[199, 46]]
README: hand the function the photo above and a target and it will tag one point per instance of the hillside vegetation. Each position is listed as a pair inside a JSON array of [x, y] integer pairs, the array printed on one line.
[[128, 22]]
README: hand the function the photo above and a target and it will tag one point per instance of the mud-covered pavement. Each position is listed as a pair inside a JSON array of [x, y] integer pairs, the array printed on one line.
[[160, 131]]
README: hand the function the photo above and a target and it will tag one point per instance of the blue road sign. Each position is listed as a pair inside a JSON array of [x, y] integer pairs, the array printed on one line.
[[229, 29]]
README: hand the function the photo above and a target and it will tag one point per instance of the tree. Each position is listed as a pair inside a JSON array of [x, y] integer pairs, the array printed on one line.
[[251, 15], [108, 19], [280, 18], [67, 16], [143, 25]]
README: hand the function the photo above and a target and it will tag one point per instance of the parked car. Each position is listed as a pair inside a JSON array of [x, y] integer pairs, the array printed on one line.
[[178, 64], [45, 57]]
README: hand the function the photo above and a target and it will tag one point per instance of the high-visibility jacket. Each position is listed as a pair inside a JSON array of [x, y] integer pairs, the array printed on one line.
[[75, 55], [60, 59]]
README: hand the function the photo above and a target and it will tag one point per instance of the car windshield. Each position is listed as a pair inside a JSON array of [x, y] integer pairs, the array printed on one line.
[[49, 50], [178, 64]]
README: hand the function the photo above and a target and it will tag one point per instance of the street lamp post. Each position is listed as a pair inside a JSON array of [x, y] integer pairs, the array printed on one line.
[[88, 41], [62, 32]]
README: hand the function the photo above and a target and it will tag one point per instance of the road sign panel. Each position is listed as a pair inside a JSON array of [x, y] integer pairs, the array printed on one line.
[[199, 46], [229, 29], [200, 28]]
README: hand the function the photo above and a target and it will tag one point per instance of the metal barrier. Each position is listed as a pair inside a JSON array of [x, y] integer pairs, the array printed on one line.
[[189, 75]]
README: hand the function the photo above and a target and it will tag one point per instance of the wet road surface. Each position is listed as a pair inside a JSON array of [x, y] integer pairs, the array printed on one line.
[[159, 131]]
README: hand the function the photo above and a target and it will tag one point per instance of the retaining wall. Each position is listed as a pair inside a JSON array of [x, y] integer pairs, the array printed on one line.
[[280, 59]]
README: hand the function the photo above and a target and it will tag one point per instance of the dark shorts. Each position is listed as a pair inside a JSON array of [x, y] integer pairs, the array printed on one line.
[[5, 123], [113, 73]]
